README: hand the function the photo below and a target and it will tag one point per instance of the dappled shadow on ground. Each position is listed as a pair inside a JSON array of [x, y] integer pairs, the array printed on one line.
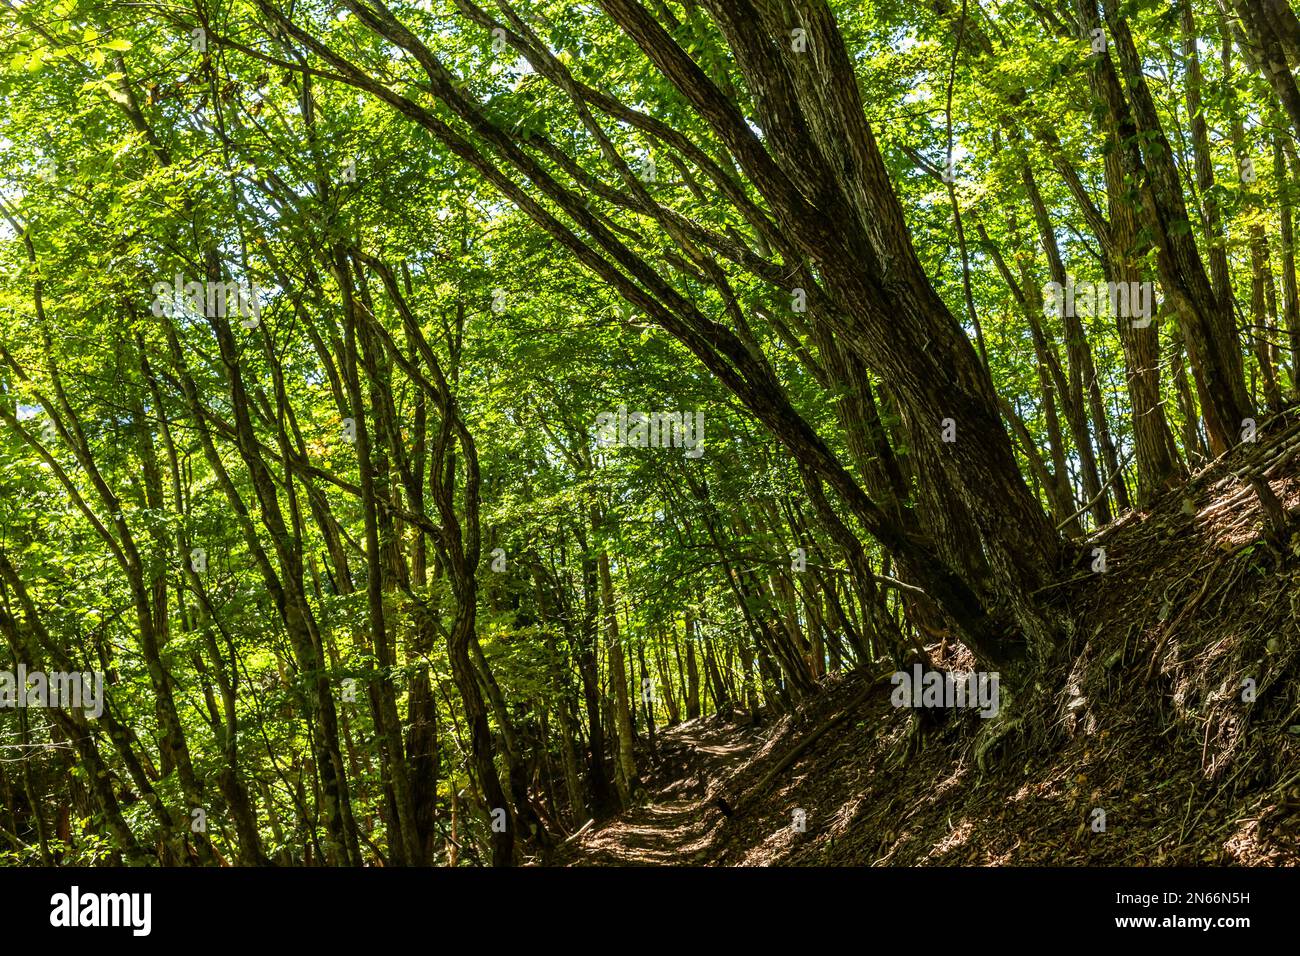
[[676, 824], [1175, 711]]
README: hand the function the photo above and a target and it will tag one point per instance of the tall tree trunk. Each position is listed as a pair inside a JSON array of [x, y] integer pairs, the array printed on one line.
[[628, 781], [692, 671], [1209, 329]]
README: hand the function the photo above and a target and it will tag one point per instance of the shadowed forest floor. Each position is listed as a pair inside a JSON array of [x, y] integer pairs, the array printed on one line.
[[678, 824], [1146, 718]]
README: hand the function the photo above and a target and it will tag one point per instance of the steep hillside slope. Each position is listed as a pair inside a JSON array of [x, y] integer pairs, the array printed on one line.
[[1175, 710]]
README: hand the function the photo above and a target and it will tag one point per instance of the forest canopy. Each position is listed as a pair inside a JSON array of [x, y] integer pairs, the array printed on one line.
[[409, 410]]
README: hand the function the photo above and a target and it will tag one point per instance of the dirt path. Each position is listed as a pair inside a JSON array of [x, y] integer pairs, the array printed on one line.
[[678, 824]]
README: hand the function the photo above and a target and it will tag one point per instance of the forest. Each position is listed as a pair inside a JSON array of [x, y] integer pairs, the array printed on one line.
[[472, 433]]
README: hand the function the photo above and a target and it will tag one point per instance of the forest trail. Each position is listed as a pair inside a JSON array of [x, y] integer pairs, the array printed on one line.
[[1142, 750], [502, 373], [678, 823]]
